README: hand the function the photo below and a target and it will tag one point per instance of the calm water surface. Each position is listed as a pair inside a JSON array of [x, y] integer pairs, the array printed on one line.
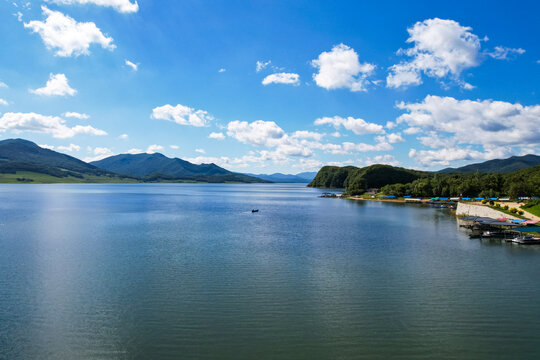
[[187, 271]]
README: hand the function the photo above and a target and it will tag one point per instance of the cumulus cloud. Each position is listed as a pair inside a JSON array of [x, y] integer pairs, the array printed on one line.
[[504, 53], [222, 70], [132, 65], [123, 6], [341, 69], [124, 137], [259, 133], [76, 115], [3, 85], [386, 159], [45, 146], [3, 102], [269, 134], [99, 153], [175, 147], [394, 138], [358, 126], [154, 149], [483, 122], [381, 145], [54, 125], [182, 115], [282, 78], [200, 151], [308, 164], [70, 148], [217, 136], [441, 48], [304, 134], [66, 36], [444, 156], [134, 151], [57, 85]]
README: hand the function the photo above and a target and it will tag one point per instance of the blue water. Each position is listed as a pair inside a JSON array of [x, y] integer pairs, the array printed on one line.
[[171, 271]]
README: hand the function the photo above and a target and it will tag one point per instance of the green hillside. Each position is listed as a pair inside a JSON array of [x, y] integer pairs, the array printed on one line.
[[357, 180]]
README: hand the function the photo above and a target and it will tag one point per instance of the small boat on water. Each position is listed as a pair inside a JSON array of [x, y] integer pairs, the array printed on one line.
[[255, 210], [525, 239]]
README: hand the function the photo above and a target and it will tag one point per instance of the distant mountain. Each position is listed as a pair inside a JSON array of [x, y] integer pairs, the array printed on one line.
[[19, 155], [158, 167], [305, 177], [309, 176], [498, 166]]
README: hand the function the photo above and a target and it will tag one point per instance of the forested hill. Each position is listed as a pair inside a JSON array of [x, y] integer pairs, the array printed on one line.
[[525, 182], [499, 165], [399, 182], [357, 180]]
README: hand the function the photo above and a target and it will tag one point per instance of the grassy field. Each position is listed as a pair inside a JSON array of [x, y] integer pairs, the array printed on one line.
[[24, 177], [535, 210]]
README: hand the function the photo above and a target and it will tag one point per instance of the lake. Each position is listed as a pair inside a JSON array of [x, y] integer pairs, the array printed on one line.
[[170, 271]]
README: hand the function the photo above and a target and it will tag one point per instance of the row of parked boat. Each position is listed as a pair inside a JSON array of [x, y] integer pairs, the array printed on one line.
[[513, 231]]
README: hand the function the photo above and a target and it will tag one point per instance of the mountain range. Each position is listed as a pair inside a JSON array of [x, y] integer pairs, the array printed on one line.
[[499, 165], [159, 167], [24, 161]]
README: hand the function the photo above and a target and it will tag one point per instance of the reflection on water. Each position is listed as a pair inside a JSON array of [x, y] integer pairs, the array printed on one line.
[[187, 271]]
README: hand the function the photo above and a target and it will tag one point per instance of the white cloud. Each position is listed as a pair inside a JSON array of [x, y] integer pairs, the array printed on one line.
[[217, 136], [386, 159], [45, 146], [124, 137], [259, 133], [123, 6], [54, 125], [358, 126], [57, 85], [269, 134], [481, 122], [362, 147], [340, 68], [134, 151], [3, 85], [262, 65], [336, 134], [308, 164], [71, 148], [441, 48], [19, 16], [200, 151], [66, 36], [222, 70], [154, 149], [390, 125], [175, 147], [182, 115], [412, 130], [76, 115], [304, 134], [132, 65], [502, 53], [3, 102], [99, 153], [282, 78], [394, 138], [444, 156]]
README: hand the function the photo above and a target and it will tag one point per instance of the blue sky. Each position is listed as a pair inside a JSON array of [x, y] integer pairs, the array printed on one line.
[[266, 86]]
